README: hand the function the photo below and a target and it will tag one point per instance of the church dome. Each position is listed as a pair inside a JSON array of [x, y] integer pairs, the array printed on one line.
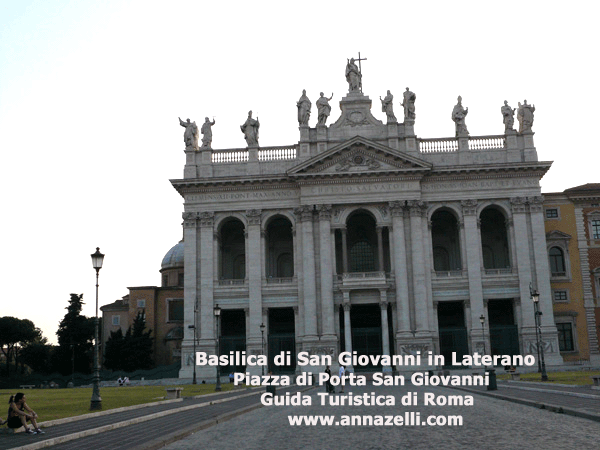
[[174, 257]]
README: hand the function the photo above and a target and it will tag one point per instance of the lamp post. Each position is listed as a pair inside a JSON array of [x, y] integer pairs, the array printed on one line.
[[482, 320], [217, 312], [96, 401], [262, 340], [535, 296]]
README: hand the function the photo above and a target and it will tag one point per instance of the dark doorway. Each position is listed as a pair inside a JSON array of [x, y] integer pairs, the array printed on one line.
[[365, 321], [504, 335], [233, 336], [453, 332], [282, 338]]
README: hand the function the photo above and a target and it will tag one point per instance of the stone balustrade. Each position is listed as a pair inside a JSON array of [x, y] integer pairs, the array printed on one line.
[[438, 145], [487, 142]]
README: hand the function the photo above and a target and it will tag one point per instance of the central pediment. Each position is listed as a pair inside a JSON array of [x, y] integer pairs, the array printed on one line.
[[359, 156]]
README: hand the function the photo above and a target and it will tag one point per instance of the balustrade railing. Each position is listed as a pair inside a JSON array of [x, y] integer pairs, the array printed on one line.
[[503, 271], [236, 282], [487, 142], [280, 280], [438, 145], [355, 275], [449, 273], [230, 156], [277, 153]]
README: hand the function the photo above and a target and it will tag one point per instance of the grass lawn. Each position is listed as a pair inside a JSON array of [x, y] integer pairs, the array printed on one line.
[[579, 378], [52, 404]]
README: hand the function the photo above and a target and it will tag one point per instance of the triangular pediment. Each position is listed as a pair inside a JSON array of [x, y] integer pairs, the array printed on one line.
[[557, 235], [359, 156]]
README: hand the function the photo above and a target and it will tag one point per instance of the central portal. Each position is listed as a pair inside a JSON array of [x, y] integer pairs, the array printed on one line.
[[365, 321], [282, 338]]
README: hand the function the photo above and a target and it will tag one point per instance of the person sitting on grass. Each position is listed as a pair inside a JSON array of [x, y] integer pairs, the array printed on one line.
[[19, 413]]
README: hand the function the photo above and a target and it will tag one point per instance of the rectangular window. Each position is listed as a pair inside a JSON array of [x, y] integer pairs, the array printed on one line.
[[141, 303], [175, 310], [565, 337], [552, 213], [596, 229], [116, 320], [560, 296]]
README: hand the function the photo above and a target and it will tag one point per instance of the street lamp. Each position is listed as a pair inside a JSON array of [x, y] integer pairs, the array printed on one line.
[[262, 337], [96, 401], [482, 320], [535, 296], [217, 312], [194, 353]]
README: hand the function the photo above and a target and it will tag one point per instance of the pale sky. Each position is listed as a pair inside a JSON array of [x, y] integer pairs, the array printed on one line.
[[90, 93]]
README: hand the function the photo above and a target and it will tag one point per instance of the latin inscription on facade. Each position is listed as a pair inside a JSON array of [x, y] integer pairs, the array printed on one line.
[[478, 184], [245, 195]]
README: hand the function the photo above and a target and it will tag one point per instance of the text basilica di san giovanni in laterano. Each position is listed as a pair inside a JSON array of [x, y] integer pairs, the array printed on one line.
[[363, 237]]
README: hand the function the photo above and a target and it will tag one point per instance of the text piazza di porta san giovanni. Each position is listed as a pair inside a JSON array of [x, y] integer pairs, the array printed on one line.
[[363, 237]]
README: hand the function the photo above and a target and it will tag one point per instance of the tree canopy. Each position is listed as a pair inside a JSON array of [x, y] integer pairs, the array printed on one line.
[[15, 334]]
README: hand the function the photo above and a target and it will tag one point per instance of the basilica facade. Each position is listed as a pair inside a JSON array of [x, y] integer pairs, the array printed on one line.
[[364, 237]]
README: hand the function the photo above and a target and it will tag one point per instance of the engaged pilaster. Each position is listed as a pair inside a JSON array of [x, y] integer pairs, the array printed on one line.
[[327, 316]]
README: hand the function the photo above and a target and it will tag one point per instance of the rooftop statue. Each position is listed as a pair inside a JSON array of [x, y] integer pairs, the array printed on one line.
[[525, 116], [323, 108], [206, 131], [353, 76], [508, 117], [458, 116], [387, 107], [304, 106], [190, 135], [409, 105], [250, 130]]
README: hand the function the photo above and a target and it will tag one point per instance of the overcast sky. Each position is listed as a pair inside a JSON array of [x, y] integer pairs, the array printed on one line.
[[90, 93]]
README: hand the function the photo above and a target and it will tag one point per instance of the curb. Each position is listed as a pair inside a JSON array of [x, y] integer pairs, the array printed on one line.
[[114, 426], [539, 405], [178, 435]]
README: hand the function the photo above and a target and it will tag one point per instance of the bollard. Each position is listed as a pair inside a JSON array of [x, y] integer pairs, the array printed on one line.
[[492, 385]]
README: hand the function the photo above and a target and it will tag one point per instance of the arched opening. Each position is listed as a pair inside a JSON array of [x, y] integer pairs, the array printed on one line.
[[362, 243], [557, 262], [280, 249], [494, 239], [445, 241], [232, 250]]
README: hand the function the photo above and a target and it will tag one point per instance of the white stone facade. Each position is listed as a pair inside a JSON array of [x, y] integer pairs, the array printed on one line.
[[374, 220]]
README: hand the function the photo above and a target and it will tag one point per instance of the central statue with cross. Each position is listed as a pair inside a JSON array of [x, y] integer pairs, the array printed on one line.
[[354, 74]]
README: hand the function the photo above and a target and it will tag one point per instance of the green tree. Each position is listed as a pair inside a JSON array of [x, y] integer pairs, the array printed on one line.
[[113, 350], [14, 334], [75, 339], [37, 355], [137, 346]]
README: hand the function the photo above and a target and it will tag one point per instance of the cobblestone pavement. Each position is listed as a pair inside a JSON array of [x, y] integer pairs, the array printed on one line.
[[488, 424]]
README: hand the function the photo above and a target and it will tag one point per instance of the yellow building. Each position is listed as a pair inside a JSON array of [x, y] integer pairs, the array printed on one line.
[[162, 307], [574, 311]]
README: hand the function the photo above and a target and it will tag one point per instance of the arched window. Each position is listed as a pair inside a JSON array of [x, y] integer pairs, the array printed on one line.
[[557, 262], [445, 241], [362, 243], [494, 239], [280, 248], [232, 250]]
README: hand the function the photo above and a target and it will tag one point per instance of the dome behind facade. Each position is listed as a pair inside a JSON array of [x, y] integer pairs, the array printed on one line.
[[174, 257]]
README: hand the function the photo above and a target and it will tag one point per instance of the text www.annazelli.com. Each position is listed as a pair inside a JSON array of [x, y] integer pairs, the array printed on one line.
[[408, 419]]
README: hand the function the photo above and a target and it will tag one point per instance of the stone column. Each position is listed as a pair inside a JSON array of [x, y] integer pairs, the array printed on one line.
[[474, 268], [417, 209], [542, 271], [344, 250], [403, 331], [379, 230], [190, 297], [328, 332], [308, 264], [385, 334], [207, 330], [254, 273], [347, 327]]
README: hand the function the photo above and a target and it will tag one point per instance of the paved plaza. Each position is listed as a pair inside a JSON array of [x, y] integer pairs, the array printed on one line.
[[488, 424]]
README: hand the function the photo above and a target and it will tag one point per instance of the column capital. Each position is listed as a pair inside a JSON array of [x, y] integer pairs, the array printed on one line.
[[469, 207], [304, 213], [189, 219], [416, 207], [207, 218], [346, 306], [397, 208], [383, 305], [324, 212], [254, 216], [536, 203], [518, 204]]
